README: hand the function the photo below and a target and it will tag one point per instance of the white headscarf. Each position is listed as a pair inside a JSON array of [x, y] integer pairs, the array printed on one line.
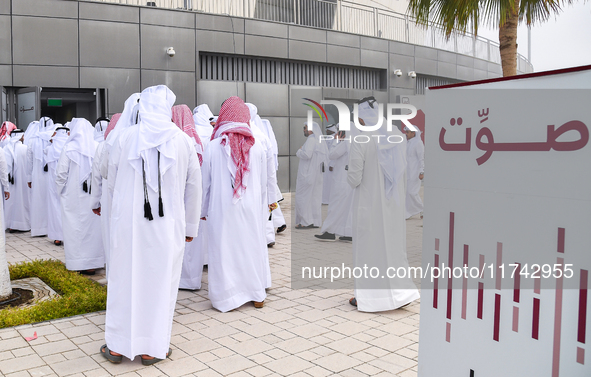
[[127, 119], [155, 130], [99, 130], [321, 147], [44, 132], [391, 156], [201, 115], [15, 137], [54, 150], [31, 130], [80, 146]]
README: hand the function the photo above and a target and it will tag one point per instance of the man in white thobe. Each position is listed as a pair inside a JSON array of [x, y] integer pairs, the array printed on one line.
[[328, 176], [339, 216], [17, 212], [313, 157], [83, 245], [195, 251], [201, 115], [377, 172], [155, 179], [277, 215], [236, 206], [38, 176], [260, 133], [98, 195], [415, 171], [52, 156]]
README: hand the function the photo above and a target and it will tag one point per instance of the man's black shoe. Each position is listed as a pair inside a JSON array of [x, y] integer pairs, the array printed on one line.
[[326, 237], [346, 239], [281, 228]]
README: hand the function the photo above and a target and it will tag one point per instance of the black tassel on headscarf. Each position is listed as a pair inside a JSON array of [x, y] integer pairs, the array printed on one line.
[[160, 204], [147, 206], [85, 186], [10, 179], [45, 168]]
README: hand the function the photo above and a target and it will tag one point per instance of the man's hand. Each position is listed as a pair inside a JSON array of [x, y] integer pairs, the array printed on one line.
[[272, 207], [421, 176], [188, 239], [97, 211], [203, 218], [29, 184], [6, 195]]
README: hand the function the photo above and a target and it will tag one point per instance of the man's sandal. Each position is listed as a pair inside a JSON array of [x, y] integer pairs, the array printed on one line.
[[353, 302], [155, 360], [258, 304], [106, 352]]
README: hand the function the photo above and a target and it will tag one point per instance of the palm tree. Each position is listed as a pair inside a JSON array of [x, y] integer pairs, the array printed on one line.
[[461, 15]]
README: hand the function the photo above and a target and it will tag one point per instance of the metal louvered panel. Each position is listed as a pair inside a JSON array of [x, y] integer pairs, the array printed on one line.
[[429, 81], [252, 69]]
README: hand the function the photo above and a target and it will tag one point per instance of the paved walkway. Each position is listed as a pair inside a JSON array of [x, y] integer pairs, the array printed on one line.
[[297, 333]]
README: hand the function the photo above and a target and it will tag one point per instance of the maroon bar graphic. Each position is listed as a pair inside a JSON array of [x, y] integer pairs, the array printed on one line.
[[583, 306], [561, 240], [465, 285], [480, 300], [436, 244], [535, 328], [497, 320], [436, 284], [515, 319], [447, 332], [517, 282], [499, 263], [557, 319], [451, 263], [580, 355]]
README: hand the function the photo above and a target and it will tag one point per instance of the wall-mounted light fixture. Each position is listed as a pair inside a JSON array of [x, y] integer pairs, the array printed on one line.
[[170, 51], [398, 72], [412, 74]]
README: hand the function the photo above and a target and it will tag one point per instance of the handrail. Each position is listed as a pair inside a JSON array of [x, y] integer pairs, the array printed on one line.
[[344, 16]]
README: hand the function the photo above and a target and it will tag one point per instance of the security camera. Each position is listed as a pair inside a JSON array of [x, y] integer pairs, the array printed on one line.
[[170, 52], [398, 72], [412, 74]]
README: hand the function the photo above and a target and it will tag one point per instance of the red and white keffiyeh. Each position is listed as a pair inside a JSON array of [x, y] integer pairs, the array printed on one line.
[[6, 129], [233, 127], [183, 118], [112, 124]]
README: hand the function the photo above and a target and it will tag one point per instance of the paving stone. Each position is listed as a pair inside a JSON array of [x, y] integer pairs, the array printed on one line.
[[337, 362], [20, 363], [55, 347], [231, 364], [288, 365], [180, 367], [74, 366]]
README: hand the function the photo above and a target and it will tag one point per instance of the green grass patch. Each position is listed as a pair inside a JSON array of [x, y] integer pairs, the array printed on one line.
[[78, 294]]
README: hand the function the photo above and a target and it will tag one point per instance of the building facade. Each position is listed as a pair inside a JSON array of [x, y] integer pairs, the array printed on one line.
[[66, 58]]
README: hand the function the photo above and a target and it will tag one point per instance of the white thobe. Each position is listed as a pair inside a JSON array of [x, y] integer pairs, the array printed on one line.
[[99, 198], [17, 211], [379, 232], [415, 160], [5, 286], [238, 268], [146, 256], [39, 198], [339, 217], [309, 184], [83, 245], [328, 176], [54, 217]]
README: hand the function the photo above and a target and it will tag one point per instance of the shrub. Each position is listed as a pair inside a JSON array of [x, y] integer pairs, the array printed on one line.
[[78, 294]]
